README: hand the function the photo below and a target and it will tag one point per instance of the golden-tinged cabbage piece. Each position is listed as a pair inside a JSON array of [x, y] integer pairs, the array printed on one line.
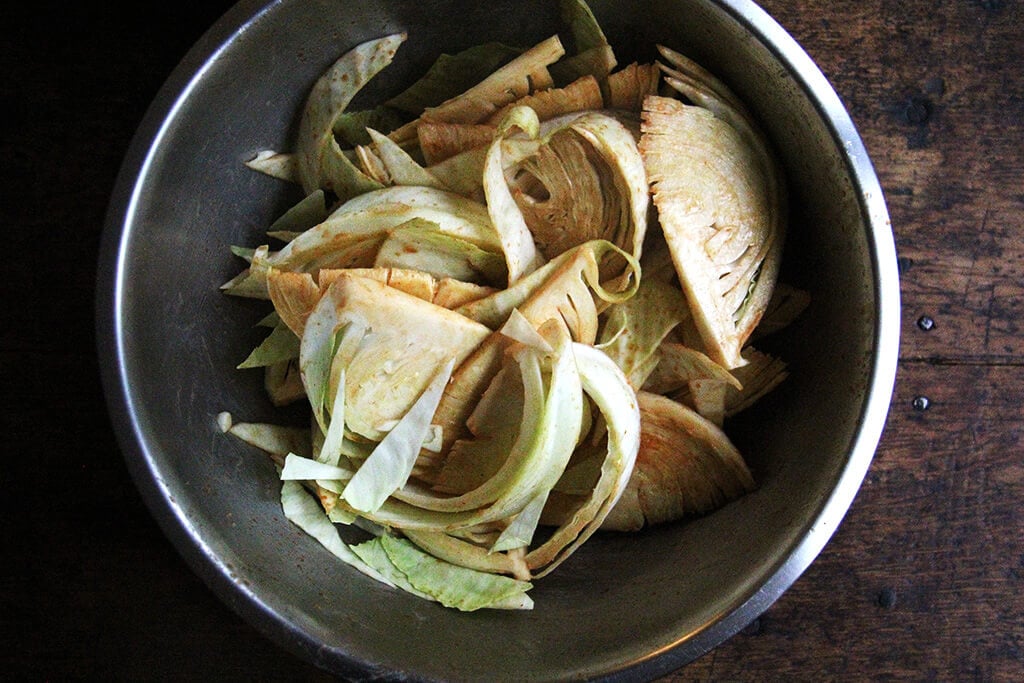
[[583, 94], [512, 81], [405, 342], [586, 181], [685, 466], [626, 88], [718, 211], [440, 141], [321, 163], [295, 295]]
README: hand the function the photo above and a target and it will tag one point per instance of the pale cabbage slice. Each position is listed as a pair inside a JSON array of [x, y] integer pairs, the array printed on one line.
[[678, 365], [447, 292], [310, 211], [322, 164], [280, 165], [702, 88], [276, 440], [761, 375], [283, 383], [278, 346], [587, 181], [470, 553], [295, 295], [718, 216], [399, 165], [376, 212], [609, 389], [505, 85], [633, 330], [452, 585], [353, 234], [403, 344], [548, 428], [302, 510], [517, 241], [685, 466]]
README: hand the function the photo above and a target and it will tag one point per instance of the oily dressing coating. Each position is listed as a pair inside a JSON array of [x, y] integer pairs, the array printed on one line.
[[528, 304]]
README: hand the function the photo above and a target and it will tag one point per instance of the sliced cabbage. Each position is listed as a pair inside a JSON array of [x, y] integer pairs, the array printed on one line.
[[609, 389], [402, 343], [470, 326], [719, 218], [507, 84], [276, 440], [453, 586], [399, 165], [634, 329], [517, 241], [280, 345], [389, 465], [587, 181], [352, 235], [626, 88], [761, 375], [566, 292], [307, 213], [322, 163], [569, 288], [419, 245], [583, 94], [302, 510], [685, 466], [678, 365], [282, 166]]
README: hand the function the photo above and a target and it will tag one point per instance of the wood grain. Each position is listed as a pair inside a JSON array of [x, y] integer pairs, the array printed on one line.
[[923, 579]]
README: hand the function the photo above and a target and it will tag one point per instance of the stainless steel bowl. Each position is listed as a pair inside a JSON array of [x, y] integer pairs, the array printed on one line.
[[624, 606]]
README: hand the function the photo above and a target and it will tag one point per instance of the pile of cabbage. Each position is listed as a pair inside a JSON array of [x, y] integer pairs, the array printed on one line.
[[518, 298]]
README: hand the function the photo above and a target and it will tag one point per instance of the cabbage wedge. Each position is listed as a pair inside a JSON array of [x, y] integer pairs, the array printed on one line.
[[719, 216], [685, 466], [404, 343]]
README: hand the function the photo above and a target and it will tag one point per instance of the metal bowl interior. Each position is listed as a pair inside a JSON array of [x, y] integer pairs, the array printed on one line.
[[633, 606]]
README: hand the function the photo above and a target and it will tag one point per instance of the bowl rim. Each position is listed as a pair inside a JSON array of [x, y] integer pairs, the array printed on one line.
[[203, 561]]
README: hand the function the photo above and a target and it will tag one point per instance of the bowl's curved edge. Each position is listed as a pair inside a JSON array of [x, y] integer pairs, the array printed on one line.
[[110, 349], [882, 373]]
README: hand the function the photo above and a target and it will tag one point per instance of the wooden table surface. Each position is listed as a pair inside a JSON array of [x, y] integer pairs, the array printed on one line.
[[921, 582]]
